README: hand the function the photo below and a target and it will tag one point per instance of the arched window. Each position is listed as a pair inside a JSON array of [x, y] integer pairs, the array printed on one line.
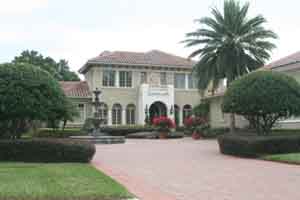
[[103, 110], [130, 114], [176, 114], [116, 114], [186, 111]]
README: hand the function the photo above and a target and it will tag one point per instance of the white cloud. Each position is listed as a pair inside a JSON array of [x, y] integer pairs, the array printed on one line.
[[13, 7]]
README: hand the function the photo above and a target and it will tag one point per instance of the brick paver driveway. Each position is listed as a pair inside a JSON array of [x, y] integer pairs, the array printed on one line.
[[184, 169]]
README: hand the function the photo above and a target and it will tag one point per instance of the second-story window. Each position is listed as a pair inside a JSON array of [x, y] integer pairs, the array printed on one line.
[[192, 81], [163, 78], [109, 77], [179, 81], [125, 79], [143, 77]]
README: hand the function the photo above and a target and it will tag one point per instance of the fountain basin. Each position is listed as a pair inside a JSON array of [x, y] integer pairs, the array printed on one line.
[[100, 139]]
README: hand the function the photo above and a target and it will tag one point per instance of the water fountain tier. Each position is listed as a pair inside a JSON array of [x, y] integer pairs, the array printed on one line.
[[96, 136]]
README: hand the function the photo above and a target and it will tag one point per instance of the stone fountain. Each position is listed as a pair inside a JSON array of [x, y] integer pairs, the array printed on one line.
[[96, 135]]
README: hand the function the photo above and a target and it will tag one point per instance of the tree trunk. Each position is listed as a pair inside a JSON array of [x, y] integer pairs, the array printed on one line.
[[232, 123]]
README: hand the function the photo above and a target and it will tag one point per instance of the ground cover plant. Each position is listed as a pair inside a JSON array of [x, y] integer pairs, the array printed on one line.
[[292, 158], [57, 182]]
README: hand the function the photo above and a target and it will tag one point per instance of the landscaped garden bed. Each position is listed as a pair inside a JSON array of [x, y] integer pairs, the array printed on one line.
[[72, 181]]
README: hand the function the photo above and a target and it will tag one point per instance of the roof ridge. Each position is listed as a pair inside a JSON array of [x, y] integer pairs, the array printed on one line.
[[282, 59]]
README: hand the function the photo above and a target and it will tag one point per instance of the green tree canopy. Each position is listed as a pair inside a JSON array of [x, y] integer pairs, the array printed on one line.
[[28, 93], [59, 70], [229, 44], [263, 97]]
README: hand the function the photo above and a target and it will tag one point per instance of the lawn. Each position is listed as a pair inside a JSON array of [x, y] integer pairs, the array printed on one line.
[[293, 158], [19, 181]]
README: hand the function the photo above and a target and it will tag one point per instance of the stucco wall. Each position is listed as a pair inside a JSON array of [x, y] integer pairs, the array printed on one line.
[[183, 97], [220, 119]]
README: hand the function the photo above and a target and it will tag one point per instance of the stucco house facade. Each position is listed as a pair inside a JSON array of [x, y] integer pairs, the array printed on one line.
[[133, 84]]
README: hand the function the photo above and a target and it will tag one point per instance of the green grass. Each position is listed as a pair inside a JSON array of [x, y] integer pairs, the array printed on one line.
[[19, 181], [293, 158]]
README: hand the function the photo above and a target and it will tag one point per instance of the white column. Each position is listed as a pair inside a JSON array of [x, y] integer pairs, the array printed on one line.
[[180, 117], [109, 122], [186, 81], [117, 79], [124, 117]]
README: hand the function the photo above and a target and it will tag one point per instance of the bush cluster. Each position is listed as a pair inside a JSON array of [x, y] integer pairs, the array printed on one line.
[[50, 133], [255, 146], [46, 150], [155, 135], [263, 97]]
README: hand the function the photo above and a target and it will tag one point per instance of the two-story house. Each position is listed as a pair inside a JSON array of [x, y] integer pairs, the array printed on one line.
[[133, 84]]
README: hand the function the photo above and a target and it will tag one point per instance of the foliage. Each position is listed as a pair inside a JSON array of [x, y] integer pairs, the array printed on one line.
[[231, 44], [255, 146], [46, 150], [263, 97], [163, 123], [215, 132], [50, 133], [121, 130], [67, 181], [28, 94], [201, 110], [155, 135], [196, 124], [59, 70]]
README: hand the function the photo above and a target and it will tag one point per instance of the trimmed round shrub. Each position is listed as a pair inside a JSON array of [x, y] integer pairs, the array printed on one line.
[[263, 97], [255, 146], [46, 150], [28, 93]]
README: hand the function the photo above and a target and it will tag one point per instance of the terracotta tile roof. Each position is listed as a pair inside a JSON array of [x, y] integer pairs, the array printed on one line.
[[287, 63], [75, 88], [151, 58]]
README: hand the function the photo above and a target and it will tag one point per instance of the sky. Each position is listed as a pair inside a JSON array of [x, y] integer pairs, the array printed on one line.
[[77, 30]]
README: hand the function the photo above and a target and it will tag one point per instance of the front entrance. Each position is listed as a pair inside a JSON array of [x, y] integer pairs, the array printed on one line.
[[157, 109]]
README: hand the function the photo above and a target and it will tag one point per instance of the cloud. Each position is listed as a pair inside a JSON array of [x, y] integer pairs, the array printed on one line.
[[17, 7]]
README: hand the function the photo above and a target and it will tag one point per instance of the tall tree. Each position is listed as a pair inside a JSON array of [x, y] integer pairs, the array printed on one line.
[[59, 70], [230, 44]]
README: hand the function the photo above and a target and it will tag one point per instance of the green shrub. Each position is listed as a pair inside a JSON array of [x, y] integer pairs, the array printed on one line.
[[50, 133], [125, 130], [255, 146], [201, 110], [46, 150], [215, 132], [28, 94], [263, 97], [155, 135]]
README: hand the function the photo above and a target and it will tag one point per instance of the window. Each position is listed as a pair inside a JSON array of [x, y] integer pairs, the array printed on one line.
[[130, 114], [109, 78], [179, 81], [125, 79], [192, 81], [143, 77], [163, 78], [186, 112], [81, 112], [116, 114], [103, 110]]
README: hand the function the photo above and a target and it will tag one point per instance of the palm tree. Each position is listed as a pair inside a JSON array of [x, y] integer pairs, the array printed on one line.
[[230, 44]]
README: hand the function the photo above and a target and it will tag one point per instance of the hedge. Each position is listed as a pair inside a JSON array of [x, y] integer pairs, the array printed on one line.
[[155, 135], [255, 146], [125, 130], [49, 133], [46, 150]]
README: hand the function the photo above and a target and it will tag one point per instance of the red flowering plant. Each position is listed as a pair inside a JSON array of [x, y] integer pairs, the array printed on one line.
[[196, 124], [163, 123]]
